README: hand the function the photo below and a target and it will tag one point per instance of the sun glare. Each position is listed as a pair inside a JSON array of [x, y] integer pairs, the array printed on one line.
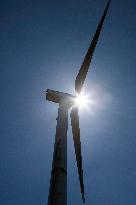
[[82, 101]]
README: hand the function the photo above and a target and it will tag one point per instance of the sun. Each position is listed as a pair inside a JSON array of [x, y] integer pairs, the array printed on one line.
[[82, 101]]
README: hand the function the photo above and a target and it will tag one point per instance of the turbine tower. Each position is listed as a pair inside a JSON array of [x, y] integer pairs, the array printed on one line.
[[58, 182]]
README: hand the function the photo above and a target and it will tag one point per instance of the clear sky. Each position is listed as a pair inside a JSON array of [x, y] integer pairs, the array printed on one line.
[[42, 45]]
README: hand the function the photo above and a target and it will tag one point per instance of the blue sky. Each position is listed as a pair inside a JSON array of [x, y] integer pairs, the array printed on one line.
[[42, 45]]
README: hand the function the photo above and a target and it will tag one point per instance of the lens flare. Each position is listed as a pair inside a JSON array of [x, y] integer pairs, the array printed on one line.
[[82, 101]]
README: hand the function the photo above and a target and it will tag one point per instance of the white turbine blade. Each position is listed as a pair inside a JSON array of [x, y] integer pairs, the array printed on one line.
[[77, 144], [87, 60]]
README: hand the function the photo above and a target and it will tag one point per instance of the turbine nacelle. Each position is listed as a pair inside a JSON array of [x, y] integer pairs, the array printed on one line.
[[60, 97]]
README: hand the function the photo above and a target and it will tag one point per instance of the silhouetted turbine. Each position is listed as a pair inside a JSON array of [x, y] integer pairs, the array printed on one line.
[[58, 183]]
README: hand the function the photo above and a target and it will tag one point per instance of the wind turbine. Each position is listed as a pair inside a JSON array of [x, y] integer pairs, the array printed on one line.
[[58, 182]]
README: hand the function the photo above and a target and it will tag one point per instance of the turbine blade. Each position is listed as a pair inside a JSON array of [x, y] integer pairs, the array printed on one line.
[[87, 60], [77, 144]]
